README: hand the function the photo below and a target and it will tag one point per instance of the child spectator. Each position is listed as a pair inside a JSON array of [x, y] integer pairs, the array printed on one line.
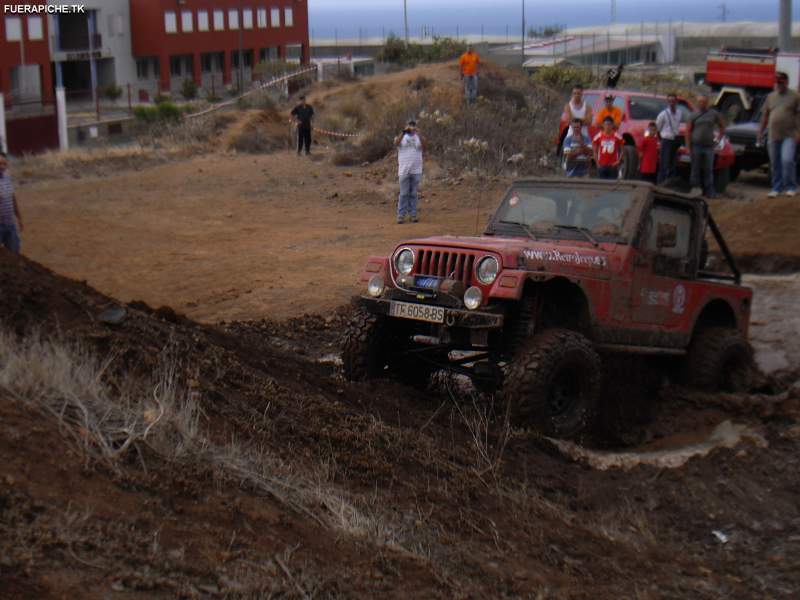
[[648, 163], [608, 151], [577, 150]]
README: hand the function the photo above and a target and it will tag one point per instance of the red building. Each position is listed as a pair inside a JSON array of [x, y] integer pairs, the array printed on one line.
[[222, 40], [25, 74]]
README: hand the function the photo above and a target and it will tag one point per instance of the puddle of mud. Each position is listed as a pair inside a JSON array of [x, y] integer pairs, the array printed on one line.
[[667, 453]]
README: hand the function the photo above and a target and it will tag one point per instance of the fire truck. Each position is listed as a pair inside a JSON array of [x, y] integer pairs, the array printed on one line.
[[742, 77]]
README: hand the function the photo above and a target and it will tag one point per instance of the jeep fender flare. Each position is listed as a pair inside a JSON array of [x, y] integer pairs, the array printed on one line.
[[715, 312]]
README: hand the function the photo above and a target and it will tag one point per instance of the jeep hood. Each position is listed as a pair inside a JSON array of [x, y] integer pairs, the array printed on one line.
[[549, 255]]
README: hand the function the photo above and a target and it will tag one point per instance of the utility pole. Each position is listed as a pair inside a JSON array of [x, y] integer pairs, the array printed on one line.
[[785, 26], [613, 11], [405, 19], [723, 12], [522, 47], [241, 45]]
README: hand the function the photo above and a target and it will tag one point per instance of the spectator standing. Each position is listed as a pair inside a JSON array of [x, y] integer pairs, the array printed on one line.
[[469, 64], [9, 211], [609, 110], [668, 123], [303, 115], [577, 151], [700, 141], [608, 151], [648, 163], [409, 170], [578, 108], [781, 115]]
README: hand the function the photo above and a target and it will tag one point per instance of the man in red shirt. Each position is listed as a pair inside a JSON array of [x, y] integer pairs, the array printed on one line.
[[607, 151], [648, 163]]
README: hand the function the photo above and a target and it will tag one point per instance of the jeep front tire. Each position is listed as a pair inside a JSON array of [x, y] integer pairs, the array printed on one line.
[[364, 349], [554, 383]]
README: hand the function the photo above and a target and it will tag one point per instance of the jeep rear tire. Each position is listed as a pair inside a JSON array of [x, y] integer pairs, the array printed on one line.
[[364, 349], [554, 383], [720, 358]]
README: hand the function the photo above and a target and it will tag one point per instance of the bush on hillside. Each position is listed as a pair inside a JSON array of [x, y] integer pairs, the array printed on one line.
[[564, 77], [442, 48]]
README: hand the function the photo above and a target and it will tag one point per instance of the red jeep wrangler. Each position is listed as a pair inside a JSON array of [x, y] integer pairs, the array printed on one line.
[[638, 109], [568, 274]]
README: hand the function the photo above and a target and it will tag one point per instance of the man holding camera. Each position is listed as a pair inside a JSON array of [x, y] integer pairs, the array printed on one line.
[[409, 170]]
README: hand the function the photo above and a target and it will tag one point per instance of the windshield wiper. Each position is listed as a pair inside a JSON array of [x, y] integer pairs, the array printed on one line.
[[585, 231], [525, 227]]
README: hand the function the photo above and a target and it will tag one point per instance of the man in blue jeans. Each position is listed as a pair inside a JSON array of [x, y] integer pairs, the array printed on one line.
[[409, 170], [701, 136], [781, 114], [9, 212]]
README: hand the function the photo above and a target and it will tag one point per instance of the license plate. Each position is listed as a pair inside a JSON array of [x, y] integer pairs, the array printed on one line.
[[738, 148], [685, 158], [418, 312], [426, 283]]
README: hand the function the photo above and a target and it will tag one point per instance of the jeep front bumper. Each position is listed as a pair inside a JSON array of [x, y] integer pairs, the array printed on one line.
[[453, 317]]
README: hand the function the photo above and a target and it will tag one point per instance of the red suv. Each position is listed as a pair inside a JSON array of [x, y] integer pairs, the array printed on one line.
[[638, 109]]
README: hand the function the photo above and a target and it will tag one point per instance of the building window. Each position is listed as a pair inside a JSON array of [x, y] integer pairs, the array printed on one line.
[[288, 17], [35, 30], [206, 61], [187, 22], [170, 22], [233, 19], [261, 15], [219, 20], [175, 65], [13, 29], [247, 18], [202, 20], [143, 68], [275, 17]]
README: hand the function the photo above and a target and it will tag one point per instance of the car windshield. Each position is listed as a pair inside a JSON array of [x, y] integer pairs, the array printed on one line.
[[646, 108], [564, 212]]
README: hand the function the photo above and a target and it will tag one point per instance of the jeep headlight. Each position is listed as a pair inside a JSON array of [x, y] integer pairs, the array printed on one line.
[[473, 297], [488, 269], [404, 261], [375, 286]]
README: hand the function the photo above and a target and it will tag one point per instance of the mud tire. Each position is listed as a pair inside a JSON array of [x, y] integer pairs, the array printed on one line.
[[630, 162], [720, 358], [364, 348], [554, 383]]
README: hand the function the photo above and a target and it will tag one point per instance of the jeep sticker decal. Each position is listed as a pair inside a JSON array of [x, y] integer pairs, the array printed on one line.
[[679, 299], [654, 297], [567, 258]]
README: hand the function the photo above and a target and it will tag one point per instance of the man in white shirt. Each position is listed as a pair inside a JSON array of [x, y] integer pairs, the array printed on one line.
[[409, 170], [668, 124]]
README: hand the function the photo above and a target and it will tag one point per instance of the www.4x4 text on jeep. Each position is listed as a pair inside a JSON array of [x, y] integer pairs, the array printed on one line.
[[568, 274]]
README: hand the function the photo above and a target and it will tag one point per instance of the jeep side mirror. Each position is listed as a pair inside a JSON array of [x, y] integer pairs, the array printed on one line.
[[666, 236]]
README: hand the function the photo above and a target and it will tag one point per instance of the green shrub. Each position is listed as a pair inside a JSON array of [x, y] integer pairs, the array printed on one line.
[[189, 89], [442, 48], [147, 114], [563, 77], [162, 97], [112, 92], [167, 111]]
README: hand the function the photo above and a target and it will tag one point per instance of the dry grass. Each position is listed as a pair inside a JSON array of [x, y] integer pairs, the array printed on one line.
[[159, 421]]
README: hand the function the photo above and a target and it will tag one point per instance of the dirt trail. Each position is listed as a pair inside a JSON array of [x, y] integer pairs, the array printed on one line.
[[504, 517]]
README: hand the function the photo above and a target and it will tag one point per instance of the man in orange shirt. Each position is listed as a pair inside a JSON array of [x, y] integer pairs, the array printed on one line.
[[609, 110], [469, 63]]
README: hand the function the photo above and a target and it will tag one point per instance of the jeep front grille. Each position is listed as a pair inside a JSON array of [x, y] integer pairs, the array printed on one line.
[[445, 263]]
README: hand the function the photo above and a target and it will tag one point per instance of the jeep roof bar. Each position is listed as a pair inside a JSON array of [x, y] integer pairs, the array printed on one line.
[[737, 276]]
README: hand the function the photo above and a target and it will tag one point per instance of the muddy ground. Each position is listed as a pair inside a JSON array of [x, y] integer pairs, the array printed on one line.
[[237, 271]]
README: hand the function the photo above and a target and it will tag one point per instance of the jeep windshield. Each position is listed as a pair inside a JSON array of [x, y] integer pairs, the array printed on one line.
[[564, 213], [647, 108]]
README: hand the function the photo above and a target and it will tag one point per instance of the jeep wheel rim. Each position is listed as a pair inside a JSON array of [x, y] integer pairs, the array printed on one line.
[[565, 392]]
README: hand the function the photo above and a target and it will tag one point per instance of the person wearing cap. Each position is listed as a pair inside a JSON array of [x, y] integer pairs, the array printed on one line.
[[609, 110], [303, 114], [409, 170], [469, 64], [780, 119]]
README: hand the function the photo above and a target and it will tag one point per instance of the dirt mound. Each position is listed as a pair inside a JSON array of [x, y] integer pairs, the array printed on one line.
[[409, 500], [257, 132]]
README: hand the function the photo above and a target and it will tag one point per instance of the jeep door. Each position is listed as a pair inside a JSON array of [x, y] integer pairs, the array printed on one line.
[[665, 266]]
